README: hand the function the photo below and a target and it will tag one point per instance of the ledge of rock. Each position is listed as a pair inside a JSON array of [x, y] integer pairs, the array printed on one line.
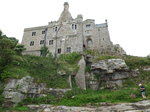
[[109, 74], [142, 106], [18, 89]]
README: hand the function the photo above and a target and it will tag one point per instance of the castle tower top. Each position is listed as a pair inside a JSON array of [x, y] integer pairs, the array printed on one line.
[[66, 6], [65, 15]]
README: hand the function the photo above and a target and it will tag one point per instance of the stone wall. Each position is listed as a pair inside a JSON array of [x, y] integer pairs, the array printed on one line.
[[69, 35]]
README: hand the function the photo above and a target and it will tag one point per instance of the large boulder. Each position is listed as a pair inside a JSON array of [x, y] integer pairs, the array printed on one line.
[[18, 89], [80, 76], [109, 74]]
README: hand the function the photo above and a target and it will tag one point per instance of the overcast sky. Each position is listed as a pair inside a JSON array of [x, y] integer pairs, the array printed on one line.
[[128, 20]]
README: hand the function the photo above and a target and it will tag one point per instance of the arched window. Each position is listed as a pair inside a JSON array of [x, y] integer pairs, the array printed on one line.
[[75, 27], [89, 43], [55, 28]]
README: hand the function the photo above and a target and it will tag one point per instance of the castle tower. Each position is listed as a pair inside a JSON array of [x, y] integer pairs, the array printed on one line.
[[65, 15]]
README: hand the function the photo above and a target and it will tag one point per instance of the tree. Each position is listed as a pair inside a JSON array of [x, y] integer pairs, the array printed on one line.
[[44, 51], [19, 49], [7, 46]]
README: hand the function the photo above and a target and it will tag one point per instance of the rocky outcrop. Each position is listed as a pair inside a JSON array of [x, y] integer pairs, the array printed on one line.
[[18, 89], [109, 74], [80, 76], [118, 50], [142, 106]]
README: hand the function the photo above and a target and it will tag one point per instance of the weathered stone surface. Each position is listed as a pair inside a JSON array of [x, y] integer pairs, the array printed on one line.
[[57, 92], [80, 76], [146, 69], [18, 89], [110, 65], [73, 35], [142, 106], [109, 74]]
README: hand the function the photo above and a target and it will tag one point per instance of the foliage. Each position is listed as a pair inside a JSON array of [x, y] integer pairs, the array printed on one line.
[[20, 108], [106, 57], [1, 96], [136, 62], [7, 46], [71, 58], [19, 49], [40, 100], [44, 51]]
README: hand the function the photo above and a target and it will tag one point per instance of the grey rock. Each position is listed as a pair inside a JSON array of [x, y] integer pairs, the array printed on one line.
[[142, 106], [18, 89], [110, 65], [80, 76], [146, 69], [109, 74]]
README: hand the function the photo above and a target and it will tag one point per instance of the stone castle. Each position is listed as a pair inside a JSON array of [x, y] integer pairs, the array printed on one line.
[[69, 35]]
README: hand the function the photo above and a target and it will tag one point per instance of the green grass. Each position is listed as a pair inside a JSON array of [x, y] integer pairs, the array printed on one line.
[[136, 62], [78, 97], [20, 108], [92, 97], [43, 69]]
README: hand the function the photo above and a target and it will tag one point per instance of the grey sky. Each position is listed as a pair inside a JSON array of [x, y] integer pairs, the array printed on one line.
[[128, 20]]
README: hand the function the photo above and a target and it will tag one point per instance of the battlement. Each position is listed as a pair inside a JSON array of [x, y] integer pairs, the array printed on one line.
[[35, 28]]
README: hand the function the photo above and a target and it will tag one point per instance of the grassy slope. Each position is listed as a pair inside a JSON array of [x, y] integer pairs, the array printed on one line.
[[129, 93], [44, 69]]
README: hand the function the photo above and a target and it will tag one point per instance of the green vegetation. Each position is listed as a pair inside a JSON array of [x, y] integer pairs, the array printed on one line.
[[44, 51], [43, 69], [54, 73], [78, 97], [136, 62]]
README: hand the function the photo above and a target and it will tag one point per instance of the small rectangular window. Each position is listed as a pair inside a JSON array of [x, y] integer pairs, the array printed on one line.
[[41, 42], [88, 26], [32, 43], [68, 49], [59, 50], [43, 32], [33, 33], [72, 26], [75, 27], [51, 42], [55, 29]]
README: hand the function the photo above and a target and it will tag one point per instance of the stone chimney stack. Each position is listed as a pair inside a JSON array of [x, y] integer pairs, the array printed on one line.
[[66, 6], [65, 15]]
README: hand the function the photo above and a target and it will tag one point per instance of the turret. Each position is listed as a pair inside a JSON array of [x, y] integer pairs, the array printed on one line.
[[65, 15]]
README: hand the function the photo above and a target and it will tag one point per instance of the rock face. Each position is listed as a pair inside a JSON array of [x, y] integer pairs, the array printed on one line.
[[18, 89], [142, 106], [80, 76], [109, 74]]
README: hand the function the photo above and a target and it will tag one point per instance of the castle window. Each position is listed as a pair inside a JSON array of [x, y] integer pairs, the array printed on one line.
[[41, 42], [51, 42], [68, 49], [43, 32], [32, 43], [75, 27], [72, 26], [59, 51], [103, 38], [33, 33], [55, 29], [88, 26]]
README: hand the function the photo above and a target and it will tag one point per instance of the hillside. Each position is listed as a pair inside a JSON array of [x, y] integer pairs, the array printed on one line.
[[54, 72]]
